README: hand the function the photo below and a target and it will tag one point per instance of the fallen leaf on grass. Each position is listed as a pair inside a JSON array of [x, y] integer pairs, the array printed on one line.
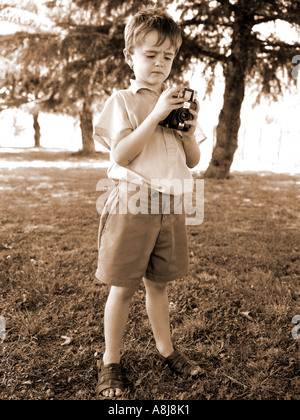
[[5, 246], [67, 340], [27, 383], [247, 315], [235, 381]]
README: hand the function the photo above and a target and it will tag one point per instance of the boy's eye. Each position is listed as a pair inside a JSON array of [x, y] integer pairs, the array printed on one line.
[[153, 56]]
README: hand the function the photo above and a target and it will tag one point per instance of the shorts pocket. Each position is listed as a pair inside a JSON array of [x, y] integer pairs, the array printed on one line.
[[110, 208]]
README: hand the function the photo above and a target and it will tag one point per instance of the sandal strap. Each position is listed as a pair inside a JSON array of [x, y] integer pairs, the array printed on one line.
[[110, 376], [179, 363]]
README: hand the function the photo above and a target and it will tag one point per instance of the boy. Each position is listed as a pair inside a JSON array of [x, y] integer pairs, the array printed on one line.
[[150, 245]]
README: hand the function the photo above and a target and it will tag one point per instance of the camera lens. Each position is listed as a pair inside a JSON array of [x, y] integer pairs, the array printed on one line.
[[184, 115]]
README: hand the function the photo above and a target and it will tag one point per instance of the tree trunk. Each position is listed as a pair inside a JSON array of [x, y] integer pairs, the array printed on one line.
[[235, 70], [37, 130], [228, 126], [86, 125]]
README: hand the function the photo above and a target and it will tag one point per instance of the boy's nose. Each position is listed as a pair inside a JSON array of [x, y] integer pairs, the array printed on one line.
[[159, 62]]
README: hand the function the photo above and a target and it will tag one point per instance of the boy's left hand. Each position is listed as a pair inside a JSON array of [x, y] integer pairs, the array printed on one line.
[[186, 135]]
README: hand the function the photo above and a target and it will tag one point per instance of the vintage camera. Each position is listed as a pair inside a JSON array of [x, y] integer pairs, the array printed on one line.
[[177, 118]]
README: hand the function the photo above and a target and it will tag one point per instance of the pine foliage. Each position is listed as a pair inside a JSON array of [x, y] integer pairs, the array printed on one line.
[[68, 54]]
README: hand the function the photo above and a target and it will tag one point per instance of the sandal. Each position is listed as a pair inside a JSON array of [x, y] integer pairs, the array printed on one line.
[[181, 365], [109, 376]]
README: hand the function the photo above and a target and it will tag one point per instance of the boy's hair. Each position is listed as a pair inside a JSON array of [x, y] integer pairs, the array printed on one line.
[[150, 19]]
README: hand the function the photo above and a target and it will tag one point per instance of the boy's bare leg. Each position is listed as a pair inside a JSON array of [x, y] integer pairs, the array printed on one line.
[[157, 306], [115, 319]]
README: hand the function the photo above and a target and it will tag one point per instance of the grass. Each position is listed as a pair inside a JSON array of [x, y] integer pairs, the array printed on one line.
[[232, 313]]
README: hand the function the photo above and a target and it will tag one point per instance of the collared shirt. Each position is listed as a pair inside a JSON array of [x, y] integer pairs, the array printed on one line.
[[162, 162]]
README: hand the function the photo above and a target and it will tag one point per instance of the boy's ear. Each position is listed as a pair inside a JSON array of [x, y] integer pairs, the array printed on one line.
[[128, 58]]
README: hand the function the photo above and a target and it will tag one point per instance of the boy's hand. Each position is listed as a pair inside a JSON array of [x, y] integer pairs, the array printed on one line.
[[186, 135], [167, 101]]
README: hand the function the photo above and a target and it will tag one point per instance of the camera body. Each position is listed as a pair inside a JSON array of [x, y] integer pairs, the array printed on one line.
[[177, 118]]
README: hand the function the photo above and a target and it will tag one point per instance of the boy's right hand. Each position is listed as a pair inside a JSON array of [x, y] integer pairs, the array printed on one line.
[[167, 101]]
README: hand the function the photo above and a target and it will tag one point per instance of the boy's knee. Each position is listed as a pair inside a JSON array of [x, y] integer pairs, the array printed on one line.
[[124, 293], [155, 286]]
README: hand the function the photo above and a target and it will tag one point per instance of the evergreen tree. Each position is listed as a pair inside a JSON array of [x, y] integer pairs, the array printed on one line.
[[75, 49], [227, 32], [76, 54], [21, 85]]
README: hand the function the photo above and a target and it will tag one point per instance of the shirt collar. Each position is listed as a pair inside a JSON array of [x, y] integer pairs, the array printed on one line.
[[135, 86]]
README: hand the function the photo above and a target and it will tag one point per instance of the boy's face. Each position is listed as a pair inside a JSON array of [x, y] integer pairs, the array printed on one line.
[[151, 63]]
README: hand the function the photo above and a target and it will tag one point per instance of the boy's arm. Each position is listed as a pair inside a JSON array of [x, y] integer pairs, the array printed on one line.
[[191, 148], [131, 146], [192, 151]]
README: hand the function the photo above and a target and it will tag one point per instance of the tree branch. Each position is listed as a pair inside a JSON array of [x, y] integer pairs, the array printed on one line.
[[212, 54], [227, 4], [281, 44], [207, 21], [268, 19]]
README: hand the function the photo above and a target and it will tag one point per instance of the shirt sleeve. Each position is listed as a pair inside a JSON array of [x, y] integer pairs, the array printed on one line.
[[199, 134], [113, 123]]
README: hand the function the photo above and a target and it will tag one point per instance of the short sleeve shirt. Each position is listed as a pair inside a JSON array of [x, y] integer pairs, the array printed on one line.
[[162, 162]]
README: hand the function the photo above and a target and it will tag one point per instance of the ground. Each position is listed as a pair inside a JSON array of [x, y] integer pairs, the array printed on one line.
[[233, 313]]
